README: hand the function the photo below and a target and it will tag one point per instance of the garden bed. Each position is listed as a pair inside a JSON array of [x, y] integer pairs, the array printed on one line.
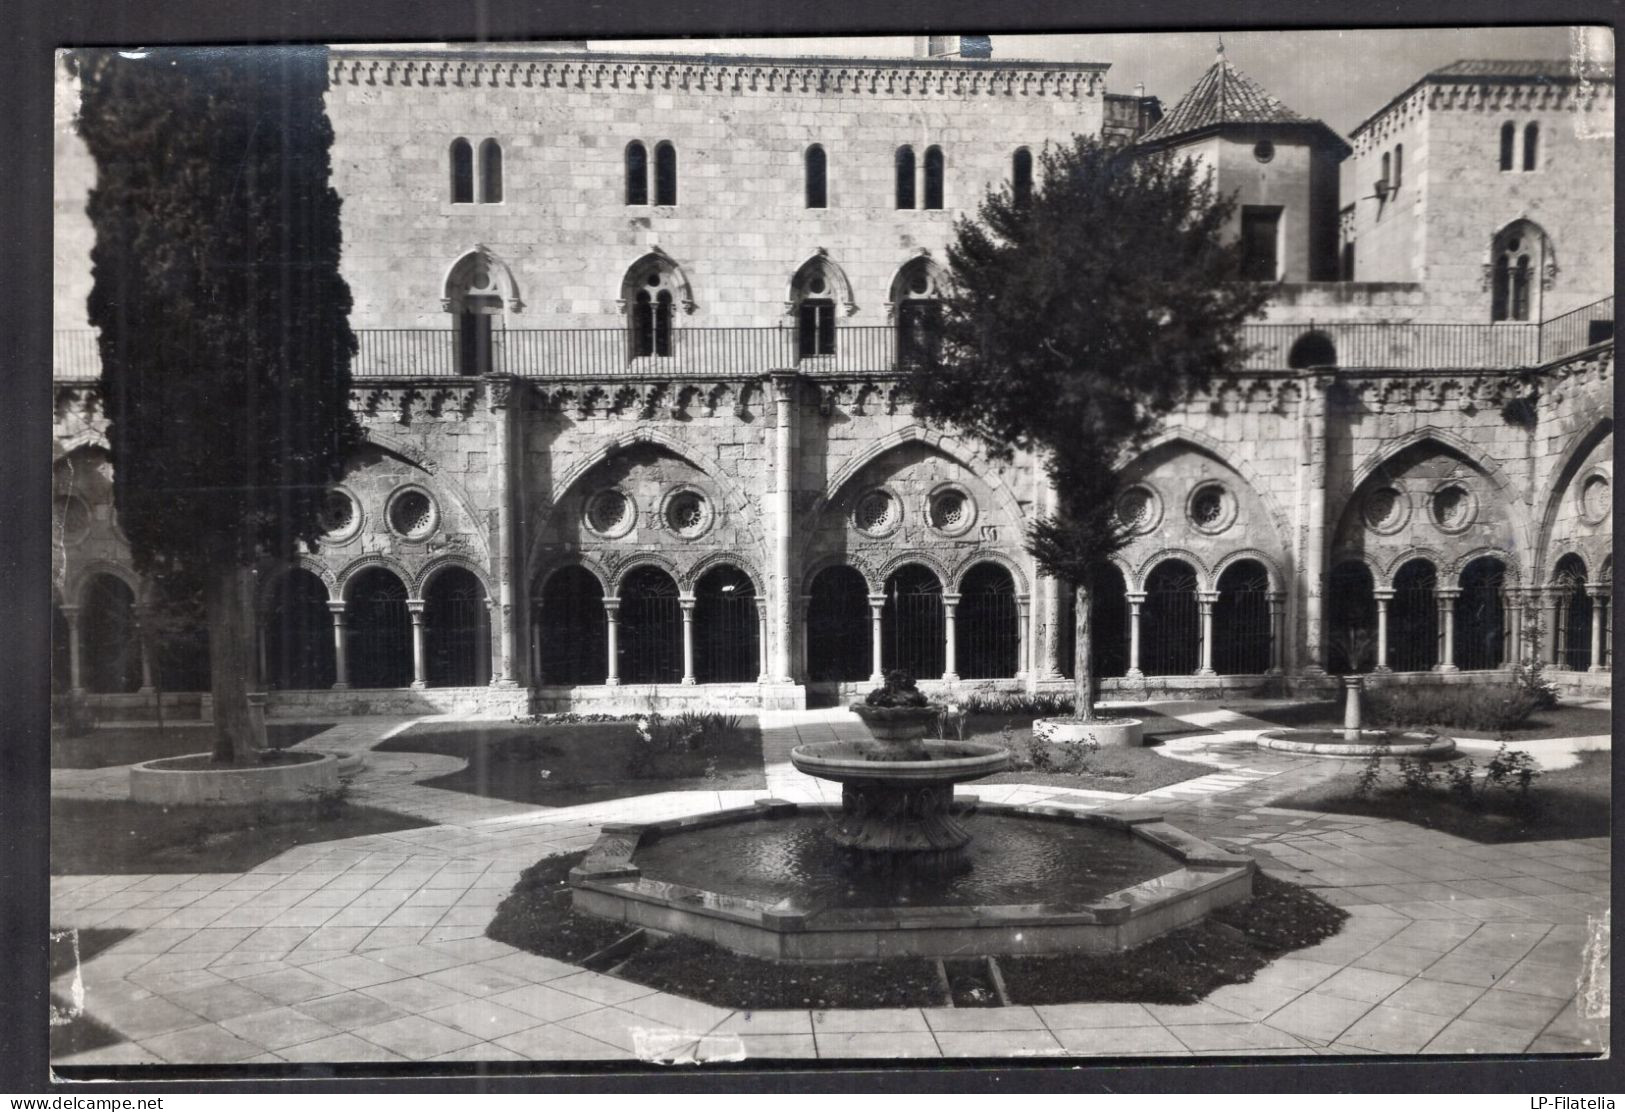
[[559, 764], [1179, 968], [1111, 769], [1569, 803], [1560, 721], [123, 745], [122, 836]]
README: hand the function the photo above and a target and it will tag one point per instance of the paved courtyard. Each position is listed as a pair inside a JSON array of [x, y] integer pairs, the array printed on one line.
[[373, 948]]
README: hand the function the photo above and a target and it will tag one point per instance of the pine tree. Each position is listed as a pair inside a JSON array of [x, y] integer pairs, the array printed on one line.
[[224, 325], [1077, 316]]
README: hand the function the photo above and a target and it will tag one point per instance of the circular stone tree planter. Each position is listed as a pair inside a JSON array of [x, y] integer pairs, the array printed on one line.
[[1372, 743], [1104, 732], [175, 781]]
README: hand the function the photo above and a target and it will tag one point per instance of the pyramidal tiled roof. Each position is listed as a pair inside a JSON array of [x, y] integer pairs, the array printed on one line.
[[1224, 95]]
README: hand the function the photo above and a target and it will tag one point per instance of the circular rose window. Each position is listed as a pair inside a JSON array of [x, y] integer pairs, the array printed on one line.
[[1211, 508], [1264, 150], [1596, 499], [1385, 509], [951, 511], [609, 513], [876, 513], [1452, 508], [1138, 509], [412, 514], [338, 514], [688, 514]]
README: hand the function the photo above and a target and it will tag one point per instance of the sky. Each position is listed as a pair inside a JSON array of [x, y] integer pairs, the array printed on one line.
[[1340, 77]]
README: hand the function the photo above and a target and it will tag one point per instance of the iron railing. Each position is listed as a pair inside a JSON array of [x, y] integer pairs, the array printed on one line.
[[651, 633], [1241, 621], [912, 625], [987, 626], [1577, 330], [571, 630], [874, 349], [378, 644], [457, 632], [839, 626], [1170, 622]]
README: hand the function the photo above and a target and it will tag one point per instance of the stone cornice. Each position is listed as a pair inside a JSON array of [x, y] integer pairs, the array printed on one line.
[[953, 79], [1523, 97]]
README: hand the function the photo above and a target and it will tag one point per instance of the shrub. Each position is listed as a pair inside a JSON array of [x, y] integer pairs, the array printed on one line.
[[1510, 774], [899, 690], [1041, 704], [682, 745], [1366, 782], [1491, 708]]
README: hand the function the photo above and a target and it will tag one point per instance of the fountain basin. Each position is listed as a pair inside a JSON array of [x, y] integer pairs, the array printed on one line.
[[1373, 743], [945, 762], [1172, 880]]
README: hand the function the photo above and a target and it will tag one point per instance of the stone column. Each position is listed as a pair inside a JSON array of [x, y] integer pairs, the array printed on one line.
[[612, 615], [950, 671], [1206, 599], [1447, 622], [877, 605], [1277, 601], [75, 675], [762, 675], [1512, 600], [1553, 646], [1384, 597], [420, 675], [686, 602], [1135, 600], [1599, 594], [341, 667], [1312, 523], [1023, 636], [141, 616], [784, 411], [505, 615]]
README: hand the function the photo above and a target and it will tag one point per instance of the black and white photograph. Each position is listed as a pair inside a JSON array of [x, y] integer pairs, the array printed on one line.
[[823, 553]]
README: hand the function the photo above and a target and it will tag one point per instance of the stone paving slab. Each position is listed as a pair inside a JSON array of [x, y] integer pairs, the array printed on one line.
[[372, 948]]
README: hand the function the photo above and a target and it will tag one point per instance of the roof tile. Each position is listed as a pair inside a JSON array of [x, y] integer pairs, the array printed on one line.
[[1223, 95]]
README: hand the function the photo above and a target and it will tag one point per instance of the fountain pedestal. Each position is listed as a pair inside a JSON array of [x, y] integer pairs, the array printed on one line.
[[878, 817]]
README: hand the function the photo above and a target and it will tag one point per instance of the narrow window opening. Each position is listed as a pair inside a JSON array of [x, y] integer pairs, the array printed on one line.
[[1387, 173], [1500, 294], [1399, 165], [1531, 146], [817, 178], [1021, 176], [1260, 235], [491, 172], [933, 177], [474, 342], [665, 174], [1509, 134], [462, 172], [905, 177], [816, 327], [1520, 289], [663, 323], [637, 174]]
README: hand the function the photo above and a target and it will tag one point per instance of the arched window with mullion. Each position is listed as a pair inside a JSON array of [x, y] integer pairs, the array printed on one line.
[[1531, 146]]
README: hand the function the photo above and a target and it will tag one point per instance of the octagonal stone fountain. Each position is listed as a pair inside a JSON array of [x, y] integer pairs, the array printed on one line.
[[904, 867]]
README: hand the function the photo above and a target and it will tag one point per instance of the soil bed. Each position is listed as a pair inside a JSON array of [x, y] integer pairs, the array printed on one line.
[[1178, 968], [561, 764], [122, 836], [122, 745], [1572, 802]]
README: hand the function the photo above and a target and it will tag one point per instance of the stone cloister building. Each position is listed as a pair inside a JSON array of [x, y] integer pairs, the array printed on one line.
[[629, 335]]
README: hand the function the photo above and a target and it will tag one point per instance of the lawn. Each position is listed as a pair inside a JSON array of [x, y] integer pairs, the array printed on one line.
[[1564, 720], [558, 764], [1573, 802], [1130, 771], [1178, 968], [122, 745], [122, 836]]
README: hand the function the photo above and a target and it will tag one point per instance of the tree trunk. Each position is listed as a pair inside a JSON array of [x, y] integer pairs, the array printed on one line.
[[1083, 672], [227, 599]]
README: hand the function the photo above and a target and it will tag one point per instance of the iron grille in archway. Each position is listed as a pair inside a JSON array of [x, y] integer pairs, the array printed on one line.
[[571, 631], [1413, 618], [1351, 619], [838, 626], [1480, 619], [1241, 621], [1108, 624], [456, 631], [109, 648], [1574, 615], [651, 634], [299, 653], [1170, 621], [379, 641], [987, 626], [725, 628], [911, 623]]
